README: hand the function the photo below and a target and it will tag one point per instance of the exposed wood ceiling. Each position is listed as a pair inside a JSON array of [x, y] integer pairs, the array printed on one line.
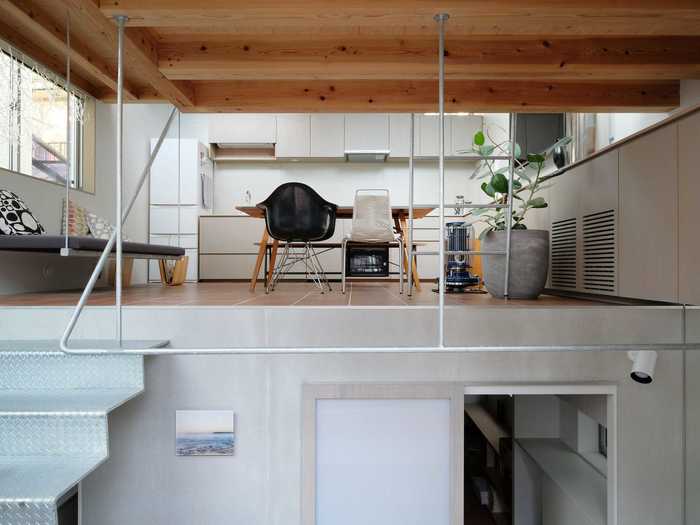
[[371, 55]]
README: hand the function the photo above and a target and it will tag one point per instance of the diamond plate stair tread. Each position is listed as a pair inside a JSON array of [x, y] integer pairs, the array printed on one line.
[[69, 400], [42, 478], [43, 345]]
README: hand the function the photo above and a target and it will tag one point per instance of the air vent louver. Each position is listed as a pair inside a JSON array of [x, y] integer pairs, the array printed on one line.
[[599, 251], [564, 253]]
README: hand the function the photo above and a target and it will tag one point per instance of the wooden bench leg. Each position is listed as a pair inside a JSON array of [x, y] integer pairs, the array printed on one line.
[[175, 276], [127, 271]]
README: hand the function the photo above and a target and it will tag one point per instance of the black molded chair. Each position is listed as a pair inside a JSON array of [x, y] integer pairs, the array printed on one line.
[[295, 213]]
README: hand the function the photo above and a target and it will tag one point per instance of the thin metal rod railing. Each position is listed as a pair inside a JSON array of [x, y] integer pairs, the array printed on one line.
[[409, 248], [121, 20], [384, 349], [509, 209], [441, 19], [110, 243], [66, 207]]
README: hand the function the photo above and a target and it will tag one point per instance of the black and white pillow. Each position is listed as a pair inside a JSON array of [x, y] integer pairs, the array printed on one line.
[[15, 217]]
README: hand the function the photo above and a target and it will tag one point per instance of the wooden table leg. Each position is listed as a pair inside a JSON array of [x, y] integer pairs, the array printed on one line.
[[259, 261], [402, 227], [273, 258]]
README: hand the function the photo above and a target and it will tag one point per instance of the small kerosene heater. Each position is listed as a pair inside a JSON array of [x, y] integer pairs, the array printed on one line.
[[458, 278]]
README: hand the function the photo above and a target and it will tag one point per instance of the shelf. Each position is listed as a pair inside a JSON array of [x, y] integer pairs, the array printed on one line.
[[487, 425]]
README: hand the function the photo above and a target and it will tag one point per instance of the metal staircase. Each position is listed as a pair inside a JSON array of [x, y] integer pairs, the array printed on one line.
[[53, 423]]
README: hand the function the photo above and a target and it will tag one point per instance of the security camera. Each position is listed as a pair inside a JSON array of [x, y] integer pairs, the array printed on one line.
[[643, 364]]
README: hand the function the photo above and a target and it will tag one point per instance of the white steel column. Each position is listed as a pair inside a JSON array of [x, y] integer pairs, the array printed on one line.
[[409, 249], [121, 20], [509, 208], [441, 18], [68, 129]]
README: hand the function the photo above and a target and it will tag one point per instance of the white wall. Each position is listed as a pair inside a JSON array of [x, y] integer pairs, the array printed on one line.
[[690, 92], [144, 482], [25, 272]]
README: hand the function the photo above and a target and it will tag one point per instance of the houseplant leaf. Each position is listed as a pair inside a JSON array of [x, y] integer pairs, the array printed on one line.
[[479, 138]]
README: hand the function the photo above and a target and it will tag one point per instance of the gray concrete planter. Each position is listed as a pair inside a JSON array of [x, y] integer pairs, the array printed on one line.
[[529, 263]]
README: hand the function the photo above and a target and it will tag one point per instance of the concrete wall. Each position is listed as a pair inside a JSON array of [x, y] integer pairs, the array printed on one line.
[[143, 481]]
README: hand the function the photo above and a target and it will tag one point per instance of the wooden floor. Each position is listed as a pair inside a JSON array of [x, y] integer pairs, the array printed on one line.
[[286, 294]]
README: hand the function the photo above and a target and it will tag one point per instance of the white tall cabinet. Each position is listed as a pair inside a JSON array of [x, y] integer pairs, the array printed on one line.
[[181, 189]]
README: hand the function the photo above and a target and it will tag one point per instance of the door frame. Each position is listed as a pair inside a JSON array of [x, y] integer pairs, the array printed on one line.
[[607, 389], [454, 392]]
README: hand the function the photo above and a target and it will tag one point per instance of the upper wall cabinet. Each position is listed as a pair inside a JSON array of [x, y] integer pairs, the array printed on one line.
[[463, 129], [327, 135], [367, 132], [400, 135], [688, 218], [251, 128], [293, 135], [428, 130], [649, 215]]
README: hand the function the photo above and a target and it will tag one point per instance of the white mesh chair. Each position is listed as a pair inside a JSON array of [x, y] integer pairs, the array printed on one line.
[[372, 223]]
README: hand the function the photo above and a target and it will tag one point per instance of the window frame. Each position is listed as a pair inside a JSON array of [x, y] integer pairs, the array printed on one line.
[[82, 130]]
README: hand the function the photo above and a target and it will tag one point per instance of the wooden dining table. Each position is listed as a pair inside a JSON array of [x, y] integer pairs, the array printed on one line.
[[398, 213]]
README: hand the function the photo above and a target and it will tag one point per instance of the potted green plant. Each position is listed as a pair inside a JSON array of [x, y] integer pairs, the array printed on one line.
[[529, 249]]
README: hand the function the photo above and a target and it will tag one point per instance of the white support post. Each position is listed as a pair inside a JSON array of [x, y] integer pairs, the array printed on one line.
[[68, 131], [441, 19], [509, 207], [121, 20], [409, 248]]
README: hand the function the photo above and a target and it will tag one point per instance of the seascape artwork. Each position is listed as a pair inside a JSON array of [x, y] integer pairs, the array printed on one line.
[[204, 432]]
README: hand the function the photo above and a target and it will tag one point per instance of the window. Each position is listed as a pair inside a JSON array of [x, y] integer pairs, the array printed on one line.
[[33, 127]]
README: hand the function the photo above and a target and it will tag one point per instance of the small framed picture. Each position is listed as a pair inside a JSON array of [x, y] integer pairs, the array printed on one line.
[[204, 432]]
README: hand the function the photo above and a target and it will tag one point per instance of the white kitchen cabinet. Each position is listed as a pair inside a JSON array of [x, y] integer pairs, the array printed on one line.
[[188, 218], [186, 184], [293, 135], [246, 128], [367, 132], [688, 218], [327, 135], [400, 135], [164, 220], [463, 128], [227, 266], [230, 234], [181, 188], [428, 128], [649, 216], [164, 186]]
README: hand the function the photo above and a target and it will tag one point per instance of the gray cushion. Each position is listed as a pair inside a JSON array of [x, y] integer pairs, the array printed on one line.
[[54, 243]]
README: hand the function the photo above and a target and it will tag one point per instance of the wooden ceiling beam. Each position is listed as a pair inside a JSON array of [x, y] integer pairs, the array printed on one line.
[[414, 17], [140, 51], [421, 96], [630, 58], [46, 57], [44, 32]]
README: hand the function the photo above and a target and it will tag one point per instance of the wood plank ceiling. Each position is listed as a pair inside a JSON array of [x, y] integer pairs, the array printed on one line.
[[371, 55]]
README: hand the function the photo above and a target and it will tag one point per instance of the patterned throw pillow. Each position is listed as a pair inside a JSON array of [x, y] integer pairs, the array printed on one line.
[[15, 217], [99, 227], [77, 220]]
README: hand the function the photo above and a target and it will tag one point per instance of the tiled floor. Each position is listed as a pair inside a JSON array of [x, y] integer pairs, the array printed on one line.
[[287, 294]]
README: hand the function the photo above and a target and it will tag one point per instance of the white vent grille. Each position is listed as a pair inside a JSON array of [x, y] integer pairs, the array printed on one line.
[[564, 253], [599, 251]]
